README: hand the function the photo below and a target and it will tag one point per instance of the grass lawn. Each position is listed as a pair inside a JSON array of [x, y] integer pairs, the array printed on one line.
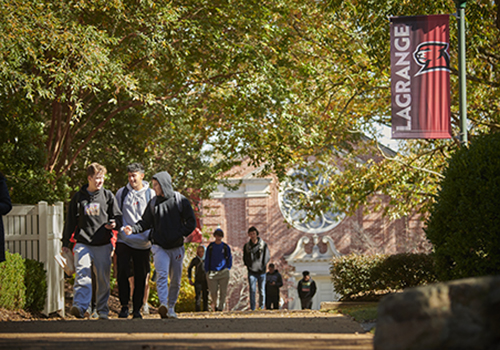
[[359, 311]]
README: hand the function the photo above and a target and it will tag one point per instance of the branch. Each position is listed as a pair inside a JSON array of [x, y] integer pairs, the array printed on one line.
[[93, 132], [395, 159]]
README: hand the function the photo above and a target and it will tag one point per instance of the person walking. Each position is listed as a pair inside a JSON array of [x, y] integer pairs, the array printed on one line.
[[92, 214], [200, 279], [5, 208], [132, 251], [171, 217], [274, 282], [218, 262], [306, 289], [256, 255]]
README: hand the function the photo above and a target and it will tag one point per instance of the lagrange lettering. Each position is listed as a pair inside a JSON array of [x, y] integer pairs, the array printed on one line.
[[403, 91]]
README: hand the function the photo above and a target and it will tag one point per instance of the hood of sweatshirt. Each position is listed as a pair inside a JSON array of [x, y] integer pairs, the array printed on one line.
[[165, 181]]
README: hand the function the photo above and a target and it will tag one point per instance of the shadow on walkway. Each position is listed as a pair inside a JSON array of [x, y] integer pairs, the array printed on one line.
[[283, 330]]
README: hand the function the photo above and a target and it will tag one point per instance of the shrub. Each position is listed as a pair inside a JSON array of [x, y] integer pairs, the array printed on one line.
[[367, 277], [464, 225], [186, 301], [405, 270], [35, 280], [352, 275], [12, 288]]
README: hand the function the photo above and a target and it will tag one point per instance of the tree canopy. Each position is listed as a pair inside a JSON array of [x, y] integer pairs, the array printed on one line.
[[195, 86]]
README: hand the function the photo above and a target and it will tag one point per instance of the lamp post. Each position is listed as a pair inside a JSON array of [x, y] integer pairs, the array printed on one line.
[[460, 4]]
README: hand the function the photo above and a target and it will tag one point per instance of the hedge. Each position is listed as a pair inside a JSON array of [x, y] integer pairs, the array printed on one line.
[[23, 283], [367, 277]]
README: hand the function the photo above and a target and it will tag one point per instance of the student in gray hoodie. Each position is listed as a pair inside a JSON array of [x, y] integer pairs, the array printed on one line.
[[133, 200], [171, 218]]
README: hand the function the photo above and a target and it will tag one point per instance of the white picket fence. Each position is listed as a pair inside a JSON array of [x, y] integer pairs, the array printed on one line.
[[35, 232]]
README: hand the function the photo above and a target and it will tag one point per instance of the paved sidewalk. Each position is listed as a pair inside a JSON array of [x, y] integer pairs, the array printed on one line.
[[239, 330]]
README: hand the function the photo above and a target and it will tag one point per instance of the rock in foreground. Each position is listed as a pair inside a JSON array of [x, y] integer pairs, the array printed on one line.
[[461, 314]]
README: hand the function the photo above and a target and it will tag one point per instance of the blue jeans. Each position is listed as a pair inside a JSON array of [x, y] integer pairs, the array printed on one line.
[[254, 279]]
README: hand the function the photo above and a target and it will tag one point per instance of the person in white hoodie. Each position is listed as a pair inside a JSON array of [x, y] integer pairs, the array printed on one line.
[[133, 200]]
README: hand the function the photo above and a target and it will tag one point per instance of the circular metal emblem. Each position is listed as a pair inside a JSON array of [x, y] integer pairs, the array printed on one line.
[[290, 193]]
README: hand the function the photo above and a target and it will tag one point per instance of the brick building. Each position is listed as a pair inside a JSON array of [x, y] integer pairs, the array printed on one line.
[[258, 202]]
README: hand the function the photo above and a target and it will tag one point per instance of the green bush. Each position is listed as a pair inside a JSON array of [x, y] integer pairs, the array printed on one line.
[[23, 284], [352, 275], [186, 301], [35, 280], [405, 270], [464, 225], [367, 277], [12, 288]]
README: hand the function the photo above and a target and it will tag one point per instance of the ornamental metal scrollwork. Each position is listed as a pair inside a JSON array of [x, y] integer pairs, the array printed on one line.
[[290, 192]]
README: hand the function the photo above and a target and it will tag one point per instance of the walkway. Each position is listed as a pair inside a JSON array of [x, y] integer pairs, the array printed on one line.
[[307, 330]]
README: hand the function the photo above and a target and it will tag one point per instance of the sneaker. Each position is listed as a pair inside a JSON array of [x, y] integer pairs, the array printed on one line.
[[124, 312], [103, 317], [145, 309], [171, 313], [94, 315], [137, 314], [162, 310], [75, 311]]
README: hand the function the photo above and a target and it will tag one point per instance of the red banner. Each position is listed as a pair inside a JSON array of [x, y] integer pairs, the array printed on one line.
[[420, 77]]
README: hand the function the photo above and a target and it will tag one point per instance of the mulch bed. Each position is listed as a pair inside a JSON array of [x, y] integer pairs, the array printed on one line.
[[23, 315]]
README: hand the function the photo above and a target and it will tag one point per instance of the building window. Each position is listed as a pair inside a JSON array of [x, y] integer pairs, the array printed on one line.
[[298, 185]]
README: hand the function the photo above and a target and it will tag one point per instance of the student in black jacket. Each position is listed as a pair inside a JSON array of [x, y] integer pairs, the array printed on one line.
[[171, 217], [274, 282], [200, 278], [306, 288], [5, 207], [92, 215], [256, 255]]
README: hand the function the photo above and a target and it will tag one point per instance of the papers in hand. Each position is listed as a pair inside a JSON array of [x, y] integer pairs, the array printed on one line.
[[66, 261]]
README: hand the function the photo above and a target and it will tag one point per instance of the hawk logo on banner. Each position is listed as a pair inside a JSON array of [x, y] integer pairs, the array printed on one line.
[[420, 77], [432, 56]]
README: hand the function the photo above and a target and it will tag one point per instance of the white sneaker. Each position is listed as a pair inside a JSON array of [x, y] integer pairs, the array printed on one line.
[[162, 310], [145, 309], [171, 313], [94, 315]]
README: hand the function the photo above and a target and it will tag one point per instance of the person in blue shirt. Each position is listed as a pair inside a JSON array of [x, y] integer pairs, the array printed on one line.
[[218, 262]]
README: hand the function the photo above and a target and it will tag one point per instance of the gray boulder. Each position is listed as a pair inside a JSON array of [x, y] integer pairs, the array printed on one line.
[[461, 314]]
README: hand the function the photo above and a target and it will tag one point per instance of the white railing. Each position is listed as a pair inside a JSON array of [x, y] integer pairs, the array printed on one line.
[[35, 232]]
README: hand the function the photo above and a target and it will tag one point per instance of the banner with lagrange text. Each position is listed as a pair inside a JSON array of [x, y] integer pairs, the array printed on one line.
[[420, 77]]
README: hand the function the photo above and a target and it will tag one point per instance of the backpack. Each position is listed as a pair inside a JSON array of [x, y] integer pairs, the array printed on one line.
[[126, 191]]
